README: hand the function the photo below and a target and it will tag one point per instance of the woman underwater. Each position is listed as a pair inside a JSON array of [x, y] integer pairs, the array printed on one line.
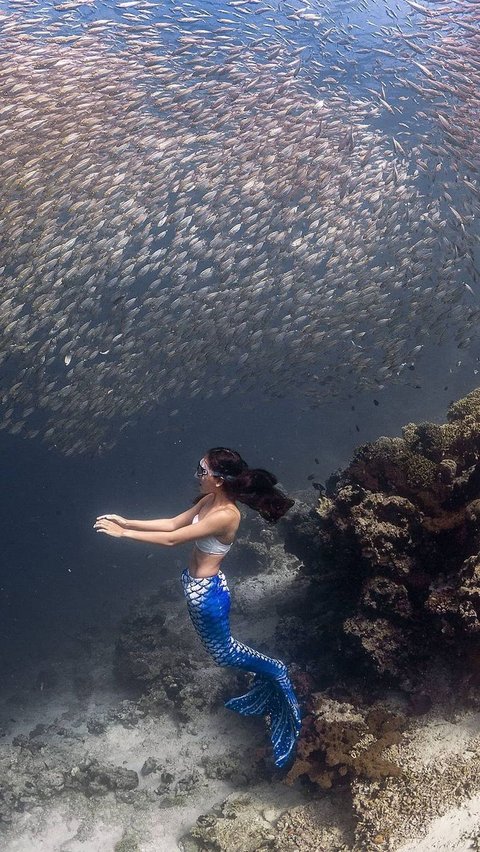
[[213, 523]]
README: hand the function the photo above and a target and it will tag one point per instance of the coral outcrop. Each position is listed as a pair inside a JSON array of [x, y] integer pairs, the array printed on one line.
[[340, 742], [399, 528]]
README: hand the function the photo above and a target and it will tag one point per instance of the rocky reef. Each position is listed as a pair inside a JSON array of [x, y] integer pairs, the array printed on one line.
[[398, 531]]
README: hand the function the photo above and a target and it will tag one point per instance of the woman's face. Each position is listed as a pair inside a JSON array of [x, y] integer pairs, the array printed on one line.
[[207, 482]]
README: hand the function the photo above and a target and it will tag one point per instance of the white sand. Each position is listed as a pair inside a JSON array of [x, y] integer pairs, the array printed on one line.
[[453, 832]]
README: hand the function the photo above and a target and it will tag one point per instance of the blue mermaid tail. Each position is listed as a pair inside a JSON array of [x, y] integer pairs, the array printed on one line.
[[272, 694]]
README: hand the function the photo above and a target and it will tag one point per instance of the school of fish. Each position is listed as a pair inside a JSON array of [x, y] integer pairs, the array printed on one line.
[[279, 196]]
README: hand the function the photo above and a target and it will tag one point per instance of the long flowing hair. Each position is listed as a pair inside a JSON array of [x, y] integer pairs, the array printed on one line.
[[253, 486]]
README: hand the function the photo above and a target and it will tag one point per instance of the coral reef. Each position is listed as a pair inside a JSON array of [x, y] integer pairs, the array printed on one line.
[[429, 767], [399, 529], [266, 819]]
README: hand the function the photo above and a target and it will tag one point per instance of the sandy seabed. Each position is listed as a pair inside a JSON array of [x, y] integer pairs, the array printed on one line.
[[210, 774]]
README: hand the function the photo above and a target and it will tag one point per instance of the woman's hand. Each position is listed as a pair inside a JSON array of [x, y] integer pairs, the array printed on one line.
[[122, 522], [104, 525]]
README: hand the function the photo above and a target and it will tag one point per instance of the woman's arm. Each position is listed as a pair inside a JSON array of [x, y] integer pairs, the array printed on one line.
[[158, 525], [217, 523], [165, 524]]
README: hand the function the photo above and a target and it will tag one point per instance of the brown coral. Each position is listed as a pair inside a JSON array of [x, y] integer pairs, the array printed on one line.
[[339, 743]]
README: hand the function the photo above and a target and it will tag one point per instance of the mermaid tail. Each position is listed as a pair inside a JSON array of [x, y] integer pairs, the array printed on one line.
[[276, 699], [272, 694]]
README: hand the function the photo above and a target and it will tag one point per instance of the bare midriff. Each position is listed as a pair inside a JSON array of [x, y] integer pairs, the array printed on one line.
[[204, 564], [208, 564]]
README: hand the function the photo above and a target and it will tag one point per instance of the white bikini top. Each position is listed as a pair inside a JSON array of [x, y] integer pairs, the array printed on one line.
[[210, 544]]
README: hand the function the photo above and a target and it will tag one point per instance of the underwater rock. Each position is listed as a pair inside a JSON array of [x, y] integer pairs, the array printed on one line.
[[236, 821], [316, 826], [93, 778], [96, 725], [127, 843], [150, 765], [381, 592], [242, 769], [173, 789], [399, 532], [27, 777], [458, 605], [387, 645]]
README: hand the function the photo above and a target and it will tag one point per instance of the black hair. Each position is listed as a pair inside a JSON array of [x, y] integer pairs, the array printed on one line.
[[253, 486]]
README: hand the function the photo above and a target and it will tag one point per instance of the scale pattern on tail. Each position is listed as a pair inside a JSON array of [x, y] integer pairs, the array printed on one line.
[[272, 694]]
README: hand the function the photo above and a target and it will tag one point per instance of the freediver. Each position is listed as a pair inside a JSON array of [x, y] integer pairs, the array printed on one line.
[[212, 523]]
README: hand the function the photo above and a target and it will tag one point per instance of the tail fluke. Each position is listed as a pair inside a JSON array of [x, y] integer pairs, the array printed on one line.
[[276, 699], [255, 702]]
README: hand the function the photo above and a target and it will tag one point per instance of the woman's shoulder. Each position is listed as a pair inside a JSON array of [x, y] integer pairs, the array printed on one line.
[[234, 508], [235, 511], [236, 516]]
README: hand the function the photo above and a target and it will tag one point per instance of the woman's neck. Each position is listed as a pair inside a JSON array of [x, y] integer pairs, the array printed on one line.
[[221, 500]]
